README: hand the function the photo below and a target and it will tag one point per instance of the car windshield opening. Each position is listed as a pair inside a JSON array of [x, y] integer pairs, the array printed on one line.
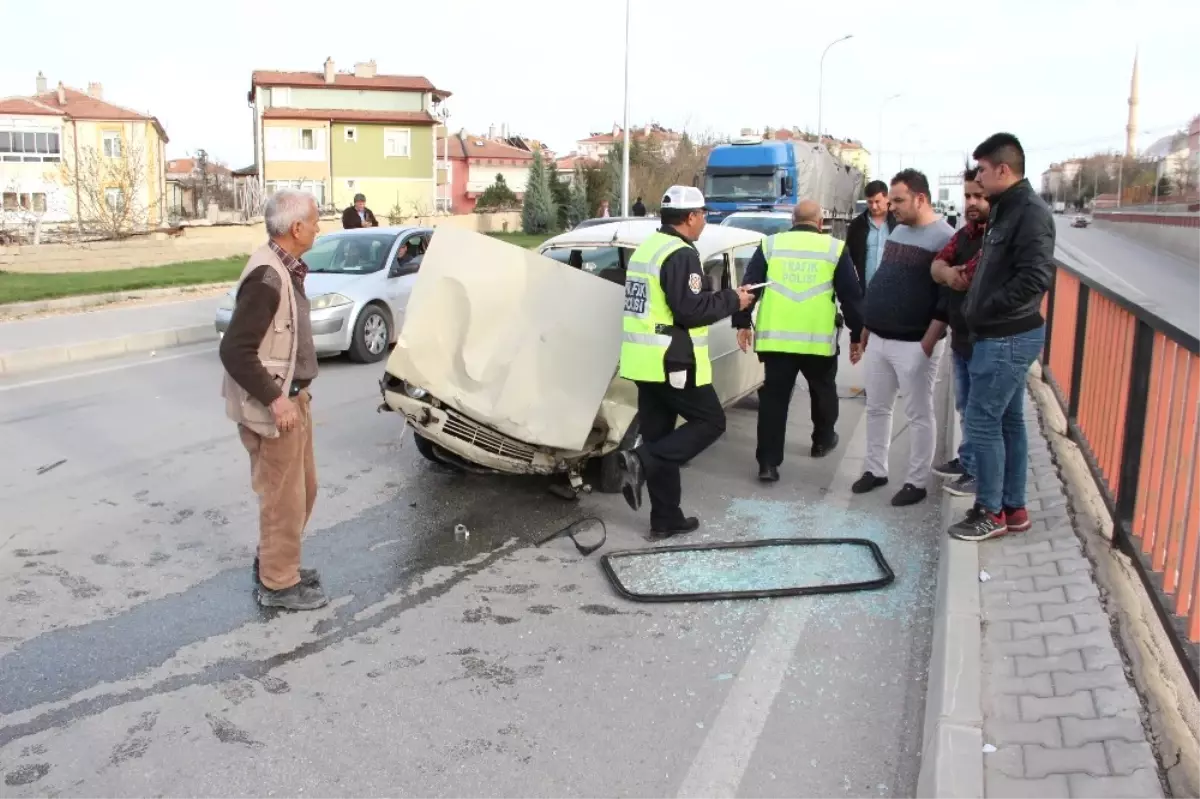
[[740, 186], [769, 225], [354, 254], [606, 262]]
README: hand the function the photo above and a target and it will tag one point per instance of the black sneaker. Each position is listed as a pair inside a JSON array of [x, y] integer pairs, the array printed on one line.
[[633, 478], [951, 469], [689, 525], [964, 486], [868, 482], [979, 525], [909, 494], [298, 597], [824, 448], [309, 577], [768, 474]]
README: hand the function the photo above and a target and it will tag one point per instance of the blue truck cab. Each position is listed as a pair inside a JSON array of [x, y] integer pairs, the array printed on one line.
[[750, 176]]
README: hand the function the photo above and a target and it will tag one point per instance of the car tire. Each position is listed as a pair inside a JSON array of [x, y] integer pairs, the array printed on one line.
[[427, 448], [372, 335], [610, 465]]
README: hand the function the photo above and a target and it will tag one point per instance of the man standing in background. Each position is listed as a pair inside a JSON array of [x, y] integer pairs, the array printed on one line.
[[869, 231], [270, 360], [1003, 309], [953, 269], [903, 339], [810, 272], [358, 215]]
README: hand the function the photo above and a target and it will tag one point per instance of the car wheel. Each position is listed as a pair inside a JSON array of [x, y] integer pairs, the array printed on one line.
[[372, 334], [426, 448], [610, 464]]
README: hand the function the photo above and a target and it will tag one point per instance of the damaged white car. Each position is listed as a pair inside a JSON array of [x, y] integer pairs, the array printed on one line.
[[507, 360]]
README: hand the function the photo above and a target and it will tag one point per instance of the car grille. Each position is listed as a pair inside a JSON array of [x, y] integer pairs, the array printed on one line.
[[473, 433]]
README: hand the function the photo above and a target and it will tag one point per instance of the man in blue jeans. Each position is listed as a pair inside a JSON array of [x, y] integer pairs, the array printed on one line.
[[1002, 310], [953, 269]]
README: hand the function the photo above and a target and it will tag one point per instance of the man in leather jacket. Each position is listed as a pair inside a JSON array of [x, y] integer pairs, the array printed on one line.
[[1002, 310]]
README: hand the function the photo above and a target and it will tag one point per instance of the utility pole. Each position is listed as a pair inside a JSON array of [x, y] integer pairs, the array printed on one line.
[[821, 84], [625, 147]]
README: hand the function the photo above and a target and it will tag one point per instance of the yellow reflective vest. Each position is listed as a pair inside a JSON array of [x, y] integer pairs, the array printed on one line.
[[644, 337], [796, 313]]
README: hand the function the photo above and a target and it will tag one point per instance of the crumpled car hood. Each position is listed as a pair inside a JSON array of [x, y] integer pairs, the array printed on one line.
[[510, 338]]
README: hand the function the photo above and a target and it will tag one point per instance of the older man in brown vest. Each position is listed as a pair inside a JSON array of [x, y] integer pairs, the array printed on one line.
[[269, 361]]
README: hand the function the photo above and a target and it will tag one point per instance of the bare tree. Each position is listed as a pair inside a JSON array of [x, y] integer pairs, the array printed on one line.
[[114, 198]]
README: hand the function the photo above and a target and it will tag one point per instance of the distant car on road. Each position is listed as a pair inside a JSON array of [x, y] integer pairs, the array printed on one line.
[[1080, 221], [766, 222], [358, 288]]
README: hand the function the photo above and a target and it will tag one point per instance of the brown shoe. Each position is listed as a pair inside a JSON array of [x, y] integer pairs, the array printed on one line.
[[298, 597]]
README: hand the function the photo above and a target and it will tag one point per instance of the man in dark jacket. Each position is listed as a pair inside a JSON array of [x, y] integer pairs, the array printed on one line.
[[358, 215], [664, 350], [953, 269], [869, 231], [639, 208], [1002, 309]]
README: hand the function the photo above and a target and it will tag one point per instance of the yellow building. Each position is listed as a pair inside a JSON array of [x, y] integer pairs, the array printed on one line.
[[337, 134], [68, 155]]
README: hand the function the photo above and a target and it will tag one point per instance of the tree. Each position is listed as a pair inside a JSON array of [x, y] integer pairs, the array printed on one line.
[[497, 197], [113, 197], [1164, 186], [578, 209], [561, 193], [538, 214], [598, 180]]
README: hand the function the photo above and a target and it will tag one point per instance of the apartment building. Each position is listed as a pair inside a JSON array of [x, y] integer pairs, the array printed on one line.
[[337, 134], [69, 155]]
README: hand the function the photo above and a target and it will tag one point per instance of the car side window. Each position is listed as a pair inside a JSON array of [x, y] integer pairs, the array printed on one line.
[[741, 261], [716, 269]]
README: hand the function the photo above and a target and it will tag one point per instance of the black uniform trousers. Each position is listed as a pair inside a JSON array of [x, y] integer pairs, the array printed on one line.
[[775, 396], [666, 447]]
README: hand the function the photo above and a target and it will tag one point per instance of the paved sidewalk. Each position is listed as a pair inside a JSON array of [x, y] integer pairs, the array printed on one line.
[[1057, 704]]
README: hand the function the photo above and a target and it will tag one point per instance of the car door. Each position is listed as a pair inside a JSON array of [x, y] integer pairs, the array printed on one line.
[[741, 372], [722, 338], [402, 276]]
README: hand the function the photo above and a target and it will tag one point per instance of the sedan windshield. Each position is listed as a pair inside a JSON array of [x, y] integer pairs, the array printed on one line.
[[356, 253], [769, 225]]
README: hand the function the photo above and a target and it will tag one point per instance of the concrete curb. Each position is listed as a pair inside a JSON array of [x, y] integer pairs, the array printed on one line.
[[32, 360], [952, 745], [16, 310]]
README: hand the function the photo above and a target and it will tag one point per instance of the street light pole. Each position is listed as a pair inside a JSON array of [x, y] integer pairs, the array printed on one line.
[[879, 155], [625, 147], [821, 83]]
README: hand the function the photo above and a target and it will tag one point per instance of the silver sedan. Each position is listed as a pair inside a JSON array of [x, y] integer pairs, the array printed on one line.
[[358, 287]]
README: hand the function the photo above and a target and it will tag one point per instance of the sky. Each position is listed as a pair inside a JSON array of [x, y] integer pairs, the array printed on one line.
[[1053, 72]]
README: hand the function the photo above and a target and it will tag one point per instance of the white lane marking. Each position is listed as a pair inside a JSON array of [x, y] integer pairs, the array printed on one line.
[[723, 758], [105, 370]]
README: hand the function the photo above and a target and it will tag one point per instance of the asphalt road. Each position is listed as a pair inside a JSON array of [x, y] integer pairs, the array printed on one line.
[[1160, 281], [134, 661]]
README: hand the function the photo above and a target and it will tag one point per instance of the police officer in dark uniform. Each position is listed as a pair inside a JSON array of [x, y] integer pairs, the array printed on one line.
[[664, 350]]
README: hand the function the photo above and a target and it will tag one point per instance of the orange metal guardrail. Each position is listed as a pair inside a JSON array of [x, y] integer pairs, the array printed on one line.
[[1130, 384]]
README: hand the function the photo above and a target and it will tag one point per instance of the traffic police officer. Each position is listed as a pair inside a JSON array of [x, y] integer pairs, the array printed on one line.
[[808, 271], [664, 350]]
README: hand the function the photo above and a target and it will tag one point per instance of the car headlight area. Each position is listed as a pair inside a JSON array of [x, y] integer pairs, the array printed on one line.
[[324, 301]]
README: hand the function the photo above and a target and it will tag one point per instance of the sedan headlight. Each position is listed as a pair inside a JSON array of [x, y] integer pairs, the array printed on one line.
[[415, 392], [227, 303], [328, 301]]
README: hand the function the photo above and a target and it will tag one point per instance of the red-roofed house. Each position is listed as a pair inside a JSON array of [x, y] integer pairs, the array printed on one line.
[[597, 146], [337, 134], [184, 180], [474, 163], [42, 138]]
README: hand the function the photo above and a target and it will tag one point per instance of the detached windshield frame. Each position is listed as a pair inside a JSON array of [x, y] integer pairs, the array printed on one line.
[[331, 253]]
